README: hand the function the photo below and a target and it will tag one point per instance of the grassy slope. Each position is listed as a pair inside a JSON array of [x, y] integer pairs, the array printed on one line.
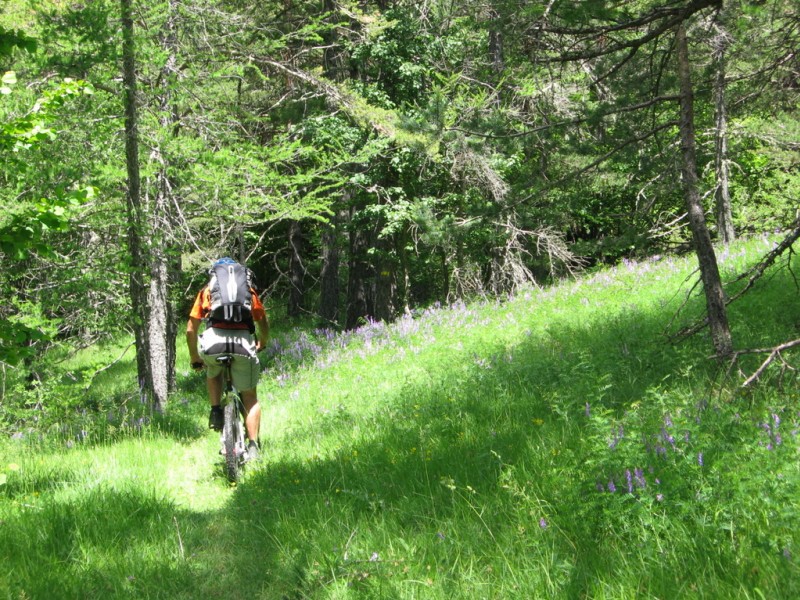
[[467, 453]]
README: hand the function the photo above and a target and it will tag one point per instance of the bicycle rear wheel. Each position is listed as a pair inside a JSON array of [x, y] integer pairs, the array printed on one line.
[[233, 441]]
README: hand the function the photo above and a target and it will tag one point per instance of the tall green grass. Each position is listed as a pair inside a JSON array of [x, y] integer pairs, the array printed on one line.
[[553, 445]]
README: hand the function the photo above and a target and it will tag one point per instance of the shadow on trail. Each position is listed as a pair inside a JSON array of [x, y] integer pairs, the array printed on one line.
[[435, 473], [447, 474], [440, 474], [103, 544]]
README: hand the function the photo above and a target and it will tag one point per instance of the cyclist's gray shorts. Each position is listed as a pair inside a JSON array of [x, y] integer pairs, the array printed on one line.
[[239, 344]]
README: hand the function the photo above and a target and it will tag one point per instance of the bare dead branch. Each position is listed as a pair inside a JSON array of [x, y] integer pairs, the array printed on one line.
[[680, 335], [755, 273], [773, 354], [598, 161], [666, 18], [334, 94], [108, 366], [571, 122]]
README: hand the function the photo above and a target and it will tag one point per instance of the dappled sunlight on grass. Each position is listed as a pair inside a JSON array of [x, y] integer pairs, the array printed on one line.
[[549, 445]]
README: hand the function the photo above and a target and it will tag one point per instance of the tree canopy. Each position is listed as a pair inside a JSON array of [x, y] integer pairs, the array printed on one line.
[[369, 158]]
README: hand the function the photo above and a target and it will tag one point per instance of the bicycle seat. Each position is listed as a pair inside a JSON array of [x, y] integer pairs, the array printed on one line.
[[224, 360]]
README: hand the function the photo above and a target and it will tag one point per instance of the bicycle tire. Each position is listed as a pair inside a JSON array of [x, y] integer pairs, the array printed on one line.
[[232, 435]]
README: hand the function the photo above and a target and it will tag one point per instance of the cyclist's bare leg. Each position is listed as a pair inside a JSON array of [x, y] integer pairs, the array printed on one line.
[[253, 411], [214, 389]]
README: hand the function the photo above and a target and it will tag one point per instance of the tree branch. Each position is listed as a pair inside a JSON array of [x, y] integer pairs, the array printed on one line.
[[755, 274], [666, 17], [578, 121], [598, 161], [335, 95], [774, 353], [757, 271]]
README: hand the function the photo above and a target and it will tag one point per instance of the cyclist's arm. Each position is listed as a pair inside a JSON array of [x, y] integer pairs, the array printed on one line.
[[262, 333], [192, 334]]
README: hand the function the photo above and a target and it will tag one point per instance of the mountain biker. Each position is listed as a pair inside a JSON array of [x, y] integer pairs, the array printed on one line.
[[229, 338]]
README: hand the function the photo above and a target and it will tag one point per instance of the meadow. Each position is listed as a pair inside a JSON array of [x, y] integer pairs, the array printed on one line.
[[556, 444]]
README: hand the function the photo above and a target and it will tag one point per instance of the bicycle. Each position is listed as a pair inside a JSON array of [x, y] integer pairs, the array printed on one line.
[[232, 439]]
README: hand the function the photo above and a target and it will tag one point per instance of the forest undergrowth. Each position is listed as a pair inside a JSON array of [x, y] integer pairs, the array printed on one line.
[[551, 445]]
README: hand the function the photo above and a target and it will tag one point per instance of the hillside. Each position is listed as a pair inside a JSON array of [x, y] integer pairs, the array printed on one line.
[[550, 445]]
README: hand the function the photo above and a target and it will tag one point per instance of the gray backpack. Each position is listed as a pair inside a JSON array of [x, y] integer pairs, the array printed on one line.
[[231, 295]]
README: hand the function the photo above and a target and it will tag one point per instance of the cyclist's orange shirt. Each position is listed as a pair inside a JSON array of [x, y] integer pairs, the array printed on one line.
[[202, 306]]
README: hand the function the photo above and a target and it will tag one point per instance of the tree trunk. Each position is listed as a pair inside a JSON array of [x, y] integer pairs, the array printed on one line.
[[404, 279], [336, 68], [461, 279], [722, 195], [496, 55], [137, 268], [334, 61], [161, 337], [709, 271], [162, 254], [385, 282], [358, 274], [296, 270], [329, 278], [445, 297]]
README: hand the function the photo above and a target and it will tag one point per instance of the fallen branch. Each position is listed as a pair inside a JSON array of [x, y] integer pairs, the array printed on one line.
[[758, 270], [108, 366], [382, 121], [755, 273], [774, 353]]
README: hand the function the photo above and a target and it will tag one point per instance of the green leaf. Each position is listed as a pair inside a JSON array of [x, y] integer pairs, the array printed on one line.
[[9, 78]]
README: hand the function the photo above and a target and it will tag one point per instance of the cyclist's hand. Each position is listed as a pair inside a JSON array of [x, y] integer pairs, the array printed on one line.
[[260, 346], [198, 366]]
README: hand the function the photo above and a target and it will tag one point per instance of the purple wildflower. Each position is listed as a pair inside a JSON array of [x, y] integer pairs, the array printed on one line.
[[543, 523], [638, 474], [629, 480], [588, 411], [700, 459], [668, 437], [618, 435], [611, 487], [660, 497]]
